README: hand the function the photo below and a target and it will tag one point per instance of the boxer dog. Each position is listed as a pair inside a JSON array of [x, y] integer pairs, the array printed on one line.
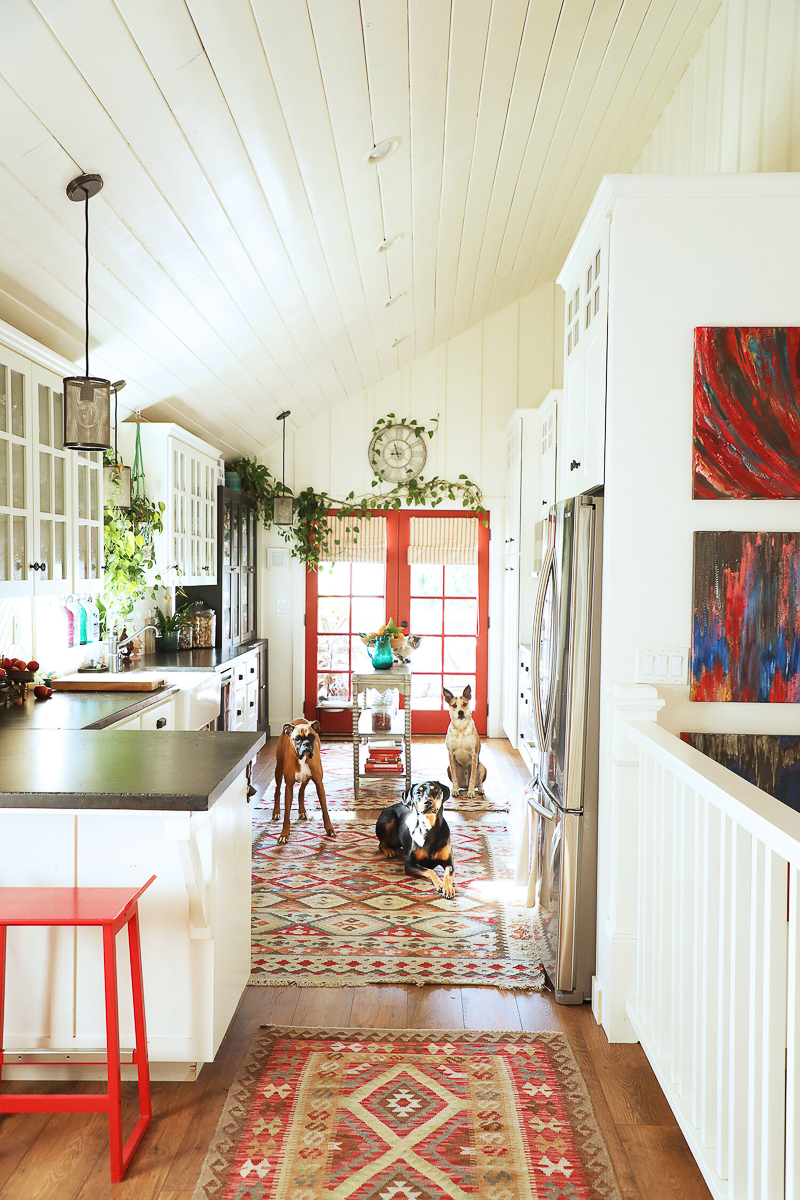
[[298, 759], [464, 746]]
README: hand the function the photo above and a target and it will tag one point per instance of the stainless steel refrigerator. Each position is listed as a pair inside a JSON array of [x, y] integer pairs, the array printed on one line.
[[562, 794]]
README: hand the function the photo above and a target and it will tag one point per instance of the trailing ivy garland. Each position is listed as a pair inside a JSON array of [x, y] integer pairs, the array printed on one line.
[[129, 553], [308, 536]]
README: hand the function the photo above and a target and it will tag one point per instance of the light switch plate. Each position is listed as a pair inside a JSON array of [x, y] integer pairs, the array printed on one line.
[[662, 664]]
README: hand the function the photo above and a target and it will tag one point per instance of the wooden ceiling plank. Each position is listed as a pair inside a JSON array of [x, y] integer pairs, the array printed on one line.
[[170, 178], [288, 42], [657, 60], [504, 44], [537, 40], [386, 46], [468, 39], [571, 38], [429, 36], [199, 107], [339, 41]]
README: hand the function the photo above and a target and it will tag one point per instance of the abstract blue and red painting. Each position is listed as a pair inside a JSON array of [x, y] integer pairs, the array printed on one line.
[[746, 413], [746, 622]]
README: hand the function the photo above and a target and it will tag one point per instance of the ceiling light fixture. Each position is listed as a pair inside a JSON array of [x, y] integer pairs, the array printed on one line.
[[116, 477], [283, 505], [383, 150], [397, 341], [393, 299], [87, 401], [387, 243]]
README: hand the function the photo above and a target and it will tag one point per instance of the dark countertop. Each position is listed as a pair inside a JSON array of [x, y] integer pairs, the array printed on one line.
[[78, 710], [195, 660], [76, 769]]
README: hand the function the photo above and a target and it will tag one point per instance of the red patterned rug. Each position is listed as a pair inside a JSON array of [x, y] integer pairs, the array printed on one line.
[[407, 1115], [334, 912], [429, 760]]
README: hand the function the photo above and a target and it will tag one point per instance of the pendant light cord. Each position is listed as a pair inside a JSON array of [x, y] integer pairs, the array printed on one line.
[[86, 277], [283, 466]]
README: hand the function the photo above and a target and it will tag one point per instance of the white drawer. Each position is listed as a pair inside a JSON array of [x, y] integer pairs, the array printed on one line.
[[251, 705], [131, 723], [160, 716]]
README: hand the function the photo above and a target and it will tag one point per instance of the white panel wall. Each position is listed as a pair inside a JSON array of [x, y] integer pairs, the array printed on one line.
[[473, 382], [737, 107]]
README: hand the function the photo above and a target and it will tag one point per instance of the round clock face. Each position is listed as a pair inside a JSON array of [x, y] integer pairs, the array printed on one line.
[[398, 453]]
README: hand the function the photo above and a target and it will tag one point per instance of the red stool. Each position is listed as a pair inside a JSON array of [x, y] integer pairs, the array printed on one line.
[[110, 908]]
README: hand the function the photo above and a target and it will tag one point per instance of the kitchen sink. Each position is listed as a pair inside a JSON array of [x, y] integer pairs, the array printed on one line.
[[198, 700]]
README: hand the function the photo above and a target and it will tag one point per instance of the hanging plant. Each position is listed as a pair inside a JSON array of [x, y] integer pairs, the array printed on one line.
[[128, 544], [308, 536]]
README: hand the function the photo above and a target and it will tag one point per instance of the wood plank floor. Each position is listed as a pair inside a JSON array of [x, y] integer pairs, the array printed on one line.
[[64, 1156]]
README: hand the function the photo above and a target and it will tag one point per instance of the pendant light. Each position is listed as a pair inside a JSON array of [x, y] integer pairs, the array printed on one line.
[[283, 506], [116, 477], [87, 401]]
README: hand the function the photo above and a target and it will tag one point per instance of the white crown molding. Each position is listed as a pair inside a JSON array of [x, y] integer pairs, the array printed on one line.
[[30, 348]]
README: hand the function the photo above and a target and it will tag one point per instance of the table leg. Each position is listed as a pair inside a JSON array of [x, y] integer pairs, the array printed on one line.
[[356, 751], [2, 991], [112, 1054], [407, 708]]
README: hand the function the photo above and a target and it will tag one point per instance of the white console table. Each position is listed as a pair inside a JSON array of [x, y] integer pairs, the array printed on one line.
[[398, 678]]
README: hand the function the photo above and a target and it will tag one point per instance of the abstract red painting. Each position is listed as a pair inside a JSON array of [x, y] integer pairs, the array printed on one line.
[[746, 413]]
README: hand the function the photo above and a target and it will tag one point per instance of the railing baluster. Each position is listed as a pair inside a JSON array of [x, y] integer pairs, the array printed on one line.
[[708, 1049], [687, 979], [645, 812], [651, 946], [772, 984], [756, 1046], [661, 1025], [724, 999], [793, 1041], [675, 901], [739, 1081]]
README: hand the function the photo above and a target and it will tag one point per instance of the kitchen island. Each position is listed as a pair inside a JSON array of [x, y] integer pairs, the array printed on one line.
[[98, 808]]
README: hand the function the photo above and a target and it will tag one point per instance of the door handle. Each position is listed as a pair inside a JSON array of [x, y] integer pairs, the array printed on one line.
[[538, 617], [538, 807]]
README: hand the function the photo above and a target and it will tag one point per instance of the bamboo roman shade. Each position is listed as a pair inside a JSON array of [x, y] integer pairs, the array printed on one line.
[[444, 541], [368, 545]]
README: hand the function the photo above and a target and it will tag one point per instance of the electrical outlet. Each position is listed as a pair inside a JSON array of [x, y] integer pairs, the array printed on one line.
[[662, 664], [283, 606]]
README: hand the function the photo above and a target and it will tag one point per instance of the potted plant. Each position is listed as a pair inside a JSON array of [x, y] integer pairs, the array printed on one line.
[[170, 624]]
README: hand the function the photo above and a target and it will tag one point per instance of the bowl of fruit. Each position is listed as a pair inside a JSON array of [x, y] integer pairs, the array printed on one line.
[[20, 671]]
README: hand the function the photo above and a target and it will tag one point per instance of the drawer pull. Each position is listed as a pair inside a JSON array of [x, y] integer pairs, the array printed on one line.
[[161, 722], [238, 712], [252, 703]]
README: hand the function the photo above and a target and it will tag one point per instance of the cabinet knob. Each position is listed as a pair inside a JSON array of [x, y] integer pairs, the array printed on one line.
[[37, 566], [573, 466], [238, 712]]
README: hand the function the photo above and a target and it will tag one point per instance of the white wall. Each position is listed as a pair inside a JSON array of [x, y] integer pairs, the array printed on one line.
[[737, 107], [683, 254], [474, 382]]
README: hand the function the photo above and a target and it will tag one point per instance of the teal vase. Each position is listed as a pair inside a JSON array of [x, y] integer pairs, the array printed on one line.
[[381, 653]]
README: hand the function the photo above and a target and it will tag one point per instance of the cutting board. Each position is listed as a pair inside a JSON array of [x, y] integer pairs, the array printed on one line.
[[106, 681]]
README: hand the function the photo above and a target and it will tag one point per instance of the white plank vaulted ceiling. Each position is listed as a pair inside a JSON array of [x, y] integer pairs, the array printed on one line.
[[235, 261]]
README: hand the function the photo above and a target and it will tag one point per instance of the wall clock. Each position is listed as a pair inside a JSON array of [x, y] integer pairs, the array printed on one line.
[[398, 453]]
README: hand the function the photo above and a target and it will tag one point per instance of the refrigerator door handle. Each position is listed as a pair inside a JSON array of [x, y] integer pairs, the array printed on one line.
[[538, 807], [540, 718]]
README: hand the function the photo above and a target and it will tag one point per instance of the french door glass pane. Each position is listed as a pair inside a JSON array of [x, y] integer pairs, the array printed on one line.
[[426, 580], [59, 551], [459, 654], [3, 398], [368, 579], [5, 546], [17, 404], [3, 473], [333, 579], [44, 481], [426, 616], [44, 415], [18, 475], [457, 683], [333, 687], [359, 658], [332, 653], [59, 487], [428, 655], [333, 614], [20, 548], [461, 616], [367, 614], [461, 581], [426, 690]]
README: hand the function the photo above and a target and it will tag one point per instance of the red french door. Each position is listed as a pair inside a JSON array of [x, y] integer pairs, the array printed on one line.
[[447, 606]]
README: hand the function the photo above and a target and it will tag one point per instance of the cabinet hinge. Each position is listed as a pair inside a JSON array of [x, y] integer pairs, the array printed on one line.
[[304, 618], [488, 622]]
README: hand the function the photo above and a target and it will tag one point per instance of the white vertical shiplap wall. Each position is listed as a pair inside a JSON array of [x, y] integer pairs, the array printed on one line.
[[473, 382], [737, 106]]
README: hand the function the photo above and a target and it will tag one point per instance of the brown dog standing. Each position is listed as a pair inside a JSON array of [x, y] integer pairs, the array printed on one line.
[[298, 759], [463, 745]]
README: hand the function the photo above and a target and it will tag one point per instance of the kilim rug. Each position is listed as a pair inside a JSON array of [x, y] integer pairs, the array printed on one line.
[[392, 1114], [429, 760], [334, 912]]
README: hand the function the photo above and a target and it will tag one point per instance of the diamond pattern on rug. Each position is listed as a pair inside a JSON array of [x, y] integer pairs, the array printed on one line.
[[342, 914], [429, 760], [407, 1115]]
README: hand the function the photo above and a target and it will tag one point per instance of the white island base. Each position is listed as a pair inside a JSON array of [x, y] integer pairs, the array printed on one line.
[[195, 934]]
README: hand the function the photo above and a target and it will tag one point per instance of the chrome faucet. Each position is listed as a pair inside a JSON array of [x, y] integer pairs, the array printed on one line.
[[115, 645]]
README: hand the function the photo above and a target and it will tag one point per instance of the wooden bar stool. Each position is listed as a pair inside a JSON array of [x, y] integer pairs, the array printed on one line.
[[110, 908]]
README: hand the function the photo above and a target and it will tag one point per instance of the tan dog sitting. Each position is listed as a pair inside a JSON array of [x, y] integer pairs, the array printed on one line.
[[298, 759], [463, 745]]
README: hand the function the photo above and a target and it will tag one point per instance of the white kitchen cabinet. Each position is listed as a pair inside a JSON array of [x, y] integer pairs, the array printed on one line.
[[51, 499], [548, 424], [523, 456], [182, 471], [582, 415]]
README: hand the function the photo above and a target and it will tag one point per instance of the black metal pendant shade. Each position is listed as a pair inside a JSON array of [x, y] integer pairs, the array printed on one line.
[[87, 399]]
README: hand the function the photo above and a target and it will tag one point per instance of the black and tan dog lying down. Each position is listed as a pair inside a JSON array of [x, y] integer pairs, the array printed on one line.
[[414, 829]]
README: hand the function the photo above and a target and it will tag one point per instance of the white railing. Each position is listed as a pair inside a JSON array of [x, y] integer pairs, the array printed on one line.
[[717, 1007]]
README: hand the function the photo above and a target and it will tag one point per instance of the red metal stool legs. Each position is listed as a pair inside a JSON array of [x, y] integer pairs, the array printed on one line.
[[110, 908]]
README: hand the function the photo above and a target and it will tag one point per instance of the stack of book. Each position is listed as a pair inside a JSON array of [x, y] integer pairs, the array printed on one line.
[[384, 757]]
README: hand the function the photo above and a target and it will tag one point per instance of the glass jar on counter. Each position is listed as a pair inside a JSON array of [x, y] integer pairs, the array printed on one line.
[[383, 708], [204, 628], [186, 637]]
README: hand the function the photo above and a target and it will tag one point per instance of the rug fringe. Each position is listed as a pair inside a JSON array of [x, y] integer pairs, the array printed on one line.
[[327, 981]]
